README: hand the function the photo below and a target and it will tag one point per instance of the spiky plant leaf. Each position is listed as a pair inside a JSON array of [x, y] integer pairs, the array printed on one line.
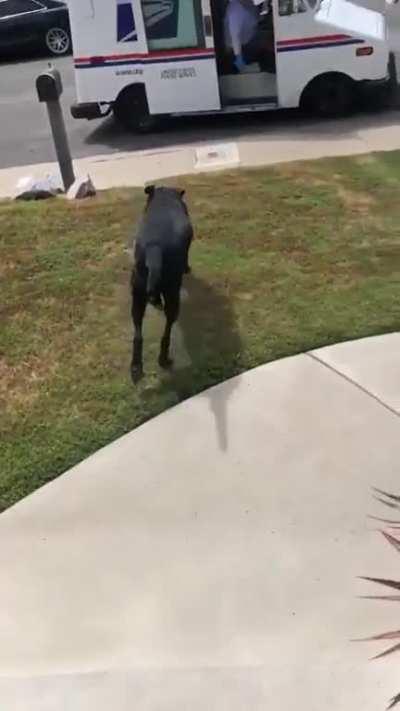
[[389, 521], [378, 637], [381, 581], [392, 540], [390, 504], [385, 493], [390, 598], [392, 501], [386, 653], [394, 702]]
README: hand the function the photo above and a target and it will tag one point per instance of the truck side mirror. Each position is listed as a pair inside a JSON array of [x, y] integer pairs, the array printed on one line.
[[49, 85]]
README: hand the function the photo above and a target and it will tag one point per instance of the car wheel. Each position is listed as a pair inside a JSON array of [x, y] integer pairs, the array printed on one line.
[[58, 41], [132, 111], [330, 95]]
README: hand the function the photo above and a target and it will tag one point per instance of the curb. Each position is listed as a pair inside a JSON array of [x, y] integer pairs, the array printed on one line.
[[310, 141]]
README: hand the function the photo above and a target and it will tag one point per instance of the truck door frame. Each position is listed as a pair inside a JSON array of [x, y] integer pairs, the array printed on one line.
[[283, 45]]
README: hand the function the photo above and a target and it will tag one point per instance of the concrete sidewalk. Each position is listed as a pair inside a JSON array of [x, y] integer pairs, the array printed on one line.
[[209, 559], [353, 136]]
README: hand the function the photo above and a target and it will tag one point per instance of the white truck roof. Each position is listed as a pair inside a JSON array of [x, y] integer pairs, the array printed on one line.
[[350, 18]]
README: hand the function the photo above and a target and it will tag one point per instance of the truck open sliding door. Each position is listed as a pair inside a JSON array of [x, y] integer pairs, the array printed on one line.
[[296, 35], [181, 70]]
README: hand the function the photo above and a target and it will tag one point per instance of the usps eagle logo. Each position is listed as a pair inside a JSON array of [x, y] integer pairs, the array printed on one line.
[[126, 26]]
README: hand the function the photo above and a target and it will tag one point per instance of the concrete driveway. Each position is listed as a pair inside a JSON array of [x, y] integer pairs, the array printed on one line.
[[209, 559]]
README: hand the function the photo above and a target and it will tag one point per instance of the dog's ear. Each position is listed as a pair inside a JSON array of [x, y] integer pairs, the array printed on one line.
[[150, 190], [182, 193]]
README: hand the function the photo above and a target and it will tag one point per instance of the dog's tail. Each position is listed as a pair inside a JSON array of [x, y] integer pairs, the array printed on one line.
[[154, 266]]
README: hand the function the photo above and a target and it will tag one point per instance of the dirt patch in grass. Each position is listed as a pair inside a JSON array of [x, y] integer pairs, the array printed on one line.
[[358, 202], [285, 260], [20, 384]]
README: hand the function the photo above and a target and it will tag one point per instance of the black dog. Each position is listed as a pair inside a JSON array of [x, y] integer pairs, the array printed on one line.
[[161, 259]]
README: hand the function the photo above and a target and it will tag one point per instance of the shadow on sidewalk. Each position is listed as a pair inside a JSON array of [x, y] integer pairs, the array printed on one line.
[[207, 350]]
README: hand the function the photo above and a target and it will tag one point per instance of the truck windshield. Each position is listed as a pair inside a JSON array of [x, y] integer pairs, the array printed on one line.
[[172, 24], [292, 7]]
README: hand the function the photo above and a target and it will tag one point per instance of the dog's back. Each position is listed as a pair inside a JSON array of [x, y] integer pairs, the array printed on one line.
[[165, 221], [163, 239]]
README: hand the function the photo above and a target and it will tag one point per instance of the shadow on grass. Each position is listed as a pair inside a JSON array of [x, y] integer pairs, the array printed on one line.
[[207, 350]]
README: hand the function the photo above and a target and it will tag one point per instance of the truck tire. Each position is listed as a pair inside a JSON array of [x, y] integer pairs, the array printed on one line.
[[58, 41], [131, 110], [330, 95]]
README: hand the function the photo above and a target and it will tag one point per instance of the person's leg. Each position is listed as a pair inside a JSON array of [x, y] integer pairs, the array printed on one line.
[[261, 49]]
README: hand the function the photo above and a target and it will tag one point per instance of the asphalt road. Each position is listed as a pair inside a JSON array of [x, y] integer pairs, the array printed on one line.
[[25, 136]]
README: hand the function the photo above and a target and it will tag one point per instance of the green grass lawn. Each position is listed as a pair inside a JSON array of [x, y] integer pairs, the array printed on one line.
[[285, 260]]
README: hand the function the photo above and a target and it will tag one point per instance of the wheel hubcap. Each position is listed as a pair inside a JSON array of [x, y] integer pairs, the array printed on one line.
[[58, 41]]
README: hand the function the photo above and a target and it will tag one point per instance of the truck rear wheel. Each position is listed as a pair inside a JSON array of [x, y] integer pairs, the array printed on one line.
[[330, 95], [132, 110]]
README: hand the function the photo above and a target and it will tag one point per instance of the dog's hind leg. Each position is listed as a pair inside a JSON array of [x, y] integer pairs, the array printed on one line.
[[171, 313], [139, 300]]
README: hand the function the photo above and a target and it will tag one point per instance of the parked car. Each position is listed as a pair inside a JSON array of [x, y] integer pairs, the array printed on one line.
[[34, 24]]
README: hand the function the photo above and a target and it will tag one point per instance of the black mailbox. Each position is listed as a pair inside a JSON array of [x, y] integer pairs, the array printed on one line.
[[49, 85]]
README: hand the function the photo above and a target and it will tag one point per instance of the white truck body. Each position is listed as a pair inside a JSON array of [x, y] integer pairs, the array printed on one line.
[[169, 49]]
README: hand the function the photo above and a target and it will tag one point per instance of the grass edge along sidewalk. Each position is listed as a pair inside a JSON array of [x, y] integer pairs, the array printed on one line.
[[286, 259]]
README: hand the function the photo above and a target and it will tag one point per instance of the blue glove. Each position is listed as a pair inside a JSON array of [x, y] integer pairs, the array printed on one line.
[[239, 63]]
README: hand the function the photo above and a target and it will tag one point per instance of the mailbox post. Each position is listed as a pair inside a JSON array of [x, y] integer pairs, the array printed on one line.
[[49, 88]]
